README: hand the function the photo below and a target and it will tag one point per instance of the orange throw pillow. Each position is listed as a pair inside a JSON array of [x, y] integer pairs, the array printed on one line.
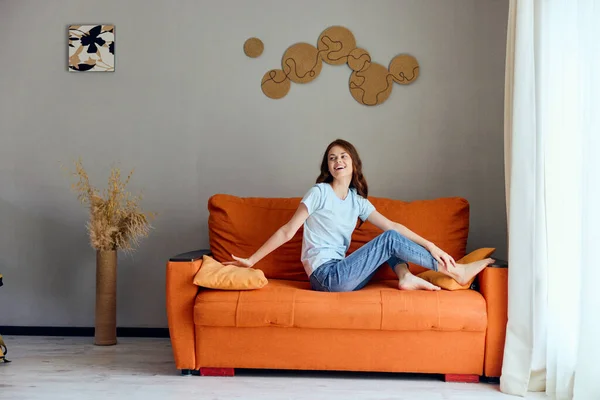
[[214, 275], [448, 283]]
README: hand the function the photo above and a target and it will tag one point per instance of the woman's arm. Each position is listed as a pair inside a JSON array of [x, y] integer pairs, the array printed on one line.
[[281, 236], [383, 223], [380, 221]]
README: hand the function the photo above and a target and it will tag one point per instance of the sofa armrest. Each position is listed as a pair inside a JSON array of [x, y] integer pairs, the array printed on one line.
[[191, 255], [181, 296], [493, 285]]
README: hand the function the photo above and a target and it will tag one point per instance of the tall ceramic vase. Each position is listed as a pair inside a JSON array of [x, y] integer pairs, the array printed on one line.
[[106, 298]]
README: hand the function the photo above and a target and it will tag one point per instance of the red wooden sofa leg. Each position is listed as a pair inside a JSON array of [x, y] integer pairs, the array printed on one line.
[[216, 371], [461, 378]]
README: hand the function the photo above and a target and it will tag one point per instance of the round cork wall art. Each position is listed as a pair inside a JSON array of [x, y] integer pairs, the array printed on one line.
[[359, 59], [335, 43], [275, 84], [370, 83], [371, 86], [404, 68], [253, 47], [301, 63]]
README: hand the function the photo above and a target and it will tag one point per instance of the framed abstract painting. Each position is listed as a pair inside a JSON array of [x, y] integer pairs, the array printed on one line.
[[91, 48]]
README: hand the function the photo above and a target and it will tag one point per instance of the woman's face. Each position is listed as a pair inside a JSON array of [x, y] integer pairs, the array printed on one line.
[[339, 162]]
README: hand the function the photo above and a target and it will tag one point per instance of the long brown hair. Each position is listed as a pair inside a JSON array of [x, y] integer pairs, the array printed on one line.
[[358, 180]]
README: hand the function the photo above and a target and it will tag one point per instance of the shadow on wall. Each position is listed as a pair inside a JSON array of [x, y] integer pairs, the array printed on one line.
[[47, 269], [141, 274], [49, 265]]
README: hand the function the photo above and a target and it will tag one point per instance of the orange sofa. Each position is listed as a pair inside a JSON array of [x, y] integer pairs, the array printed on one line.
[[285, 325]]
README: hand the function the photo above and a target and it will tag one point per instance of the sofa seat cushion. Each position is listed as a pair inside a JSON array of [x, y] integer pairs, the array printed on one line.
[[378, 306]]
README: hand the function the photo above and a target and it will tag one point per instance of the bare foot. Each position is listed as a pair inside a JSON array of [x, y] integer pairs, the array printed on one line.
[[411, 282], [463, 273]]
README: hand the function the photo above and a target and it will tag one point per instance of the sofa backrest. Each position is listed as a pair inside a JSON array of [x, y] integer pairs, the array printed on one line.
[[240, 226]]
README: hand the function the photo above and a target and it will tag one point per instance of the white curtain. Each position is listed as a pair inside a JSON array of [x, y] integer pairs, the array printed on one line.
[[552, 151]]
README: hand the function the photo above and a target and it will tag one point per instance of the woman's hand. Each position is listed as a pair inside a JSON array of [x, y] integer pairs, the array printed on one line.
[[240, 262], [442, 257]]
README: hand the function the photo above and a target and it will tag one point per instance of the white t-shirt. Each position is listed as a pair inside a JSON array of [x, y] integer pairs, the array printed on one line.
[[329, 227]]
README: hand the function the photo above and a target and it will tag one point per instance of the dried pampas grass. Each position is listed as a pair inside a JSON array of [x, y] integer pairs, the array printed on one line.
[[116, 221]]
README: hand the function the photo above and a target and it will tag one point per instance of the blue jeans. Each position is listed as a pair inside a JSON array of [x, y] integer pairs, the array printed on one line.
[[354, 271]]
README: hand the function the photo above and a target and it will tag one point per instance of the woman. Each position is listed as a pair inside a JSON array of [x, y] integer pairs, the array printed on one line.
[[329, 212]]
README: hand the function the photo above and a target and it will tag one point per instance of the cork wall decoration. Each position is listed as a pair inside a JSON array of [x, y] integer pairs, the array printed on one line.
[[335, 44], [275, 84], [253, 47], [404, 69], [370, 83], [359, 59], [302, 63]]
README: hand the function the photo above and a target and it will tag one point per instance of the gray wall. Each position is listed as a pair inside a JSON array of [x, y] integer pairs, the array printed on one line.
[[185, 108]]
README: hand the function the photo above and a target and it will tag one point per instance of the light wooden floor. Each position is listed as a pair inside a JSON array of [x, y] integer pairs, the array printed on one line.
[[73, 368]]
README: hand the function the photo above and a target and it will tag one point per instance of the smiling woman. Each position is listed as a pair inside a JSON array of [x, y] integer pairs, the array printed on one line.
[[329, 213], [91, 48]]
